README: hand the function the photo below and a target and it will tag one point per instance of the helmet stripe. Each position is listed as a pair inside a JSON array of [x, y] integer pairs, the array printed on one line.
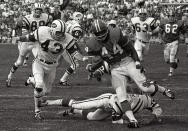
[[96, 27], [61, 26]]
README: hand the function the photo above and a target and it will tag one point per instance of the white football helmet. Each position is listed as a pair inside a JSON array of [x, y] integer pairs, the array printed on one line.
[[58, 29], [77, 16], [142, 13], [38, 9]]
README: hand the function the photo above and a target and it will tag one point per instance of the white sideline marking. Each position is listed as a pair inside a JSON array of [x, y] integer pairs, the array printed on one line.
[[166, 85], [167, 115], [29, 96]]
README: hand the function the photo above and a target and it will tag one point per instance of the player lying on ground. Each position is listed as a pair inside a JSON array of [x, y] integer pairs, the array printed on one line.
[[107, 105]]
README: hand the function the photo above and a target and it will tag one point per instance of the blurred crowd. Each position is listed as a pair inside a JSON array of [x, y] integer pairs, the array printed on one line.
[[119, 10]]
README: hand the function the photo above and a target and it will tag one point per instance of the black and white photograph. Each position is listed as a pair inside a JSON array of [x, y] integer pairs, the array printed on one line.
[[93, 65]]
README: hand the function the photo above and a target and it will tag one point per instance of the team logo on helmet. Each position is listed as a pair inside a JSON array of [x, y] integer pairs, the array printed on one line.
[[58, 29]]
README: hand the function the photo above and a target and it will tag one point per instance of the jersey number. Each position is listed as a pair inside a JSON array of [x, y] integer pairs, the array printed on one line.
[[117, 49], [171, 28], [138, 28], [55, 49], [35, 25]]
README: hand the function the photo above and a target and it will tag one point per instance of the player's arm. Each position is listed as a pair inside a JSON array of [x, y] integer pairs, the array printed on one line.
[[32, 37], [74, 51], [154, 26]]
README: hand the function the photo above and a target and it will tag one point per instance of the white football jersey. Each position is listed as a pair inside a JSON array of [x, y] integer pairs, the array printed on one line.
[[142, 27], [140, 102], [50, 49], [31, 23], [74, 28]]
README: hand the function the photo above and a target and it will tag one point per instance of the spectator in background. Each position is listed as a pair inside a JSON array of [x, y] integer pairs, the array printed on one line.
[[56, 13]]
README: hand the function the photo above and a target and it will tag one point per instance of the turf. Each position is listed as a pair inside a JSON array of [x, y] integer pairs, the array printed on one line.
[[16, 103]]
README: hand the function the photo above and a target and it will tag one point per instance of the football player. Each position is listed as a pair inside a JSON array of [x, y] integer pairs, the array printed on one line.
[[73, 28], [170, 31], [186, 25], [119, 53], [106, 105], [51, 43], [28, 24], [143, 27]]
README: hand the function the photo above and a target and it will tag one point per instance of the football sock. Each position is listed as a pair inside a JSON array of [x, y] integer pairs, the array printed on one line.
[[14, 68], [171, 69], [55, 102], [130, 115]]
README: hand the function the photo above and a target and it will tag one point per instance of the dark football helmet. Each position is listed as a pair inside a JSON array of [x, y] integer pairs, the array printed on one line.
[[99, 29], [171, 16]]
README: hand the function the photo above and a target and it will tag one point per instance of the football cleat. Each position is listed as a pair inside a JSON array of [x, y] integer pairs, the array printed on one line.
[[8, 82], [171, 74], [65, 83], [169, 94], [133, 124], [38, 115], [120, 121]]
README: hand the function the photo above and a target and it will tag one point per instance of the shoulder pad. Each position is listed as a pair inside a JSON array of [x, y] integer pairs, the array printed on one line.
[[68, 41]]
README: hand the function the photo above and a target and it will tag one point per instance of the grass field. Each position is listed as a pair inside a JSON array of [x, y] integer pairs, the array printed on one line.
[[16, 103]]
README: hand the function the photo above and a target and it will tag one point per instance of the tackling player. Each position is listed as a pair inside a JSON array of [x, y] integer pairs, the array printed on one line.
[[50, 43], [106, 105], [119, 53], [143, 28], [73, 28], [28, 24], [170, 31]]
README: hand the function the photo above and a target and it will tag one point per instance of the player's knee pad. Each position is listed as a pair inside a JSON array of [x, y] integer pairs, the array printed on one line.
[[38, 90], [174, 65], [151, 84], [38, 93]]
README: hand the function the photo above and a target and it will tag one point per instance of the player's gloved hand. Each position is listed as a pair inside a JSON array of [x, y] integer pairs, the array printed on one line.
[[85, 58], [89, 68], [15, 40]]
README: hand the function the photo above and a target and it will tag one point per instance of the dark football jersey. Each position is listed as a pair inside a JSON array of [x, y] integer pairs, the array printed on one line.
[[113, 49], [171, 30]]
